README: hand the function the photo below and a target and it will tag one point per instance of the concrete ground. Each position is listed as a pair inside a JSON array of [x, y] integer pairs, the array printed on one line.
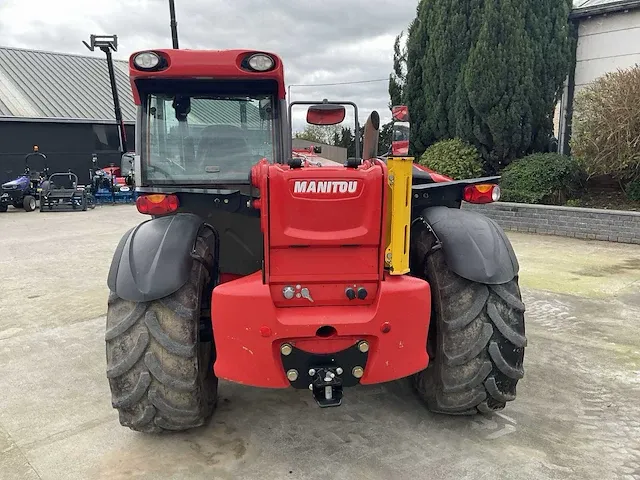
[[577, 415]]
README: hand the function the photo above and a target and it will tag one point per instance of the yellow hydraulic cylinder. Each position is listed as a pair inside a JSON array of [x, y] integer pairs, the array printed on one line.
[[399, 208]]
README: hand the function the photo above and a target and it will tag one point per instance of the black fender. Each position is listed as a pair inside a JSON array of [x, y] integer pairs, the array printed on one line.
[[474, 246], [154, 259]]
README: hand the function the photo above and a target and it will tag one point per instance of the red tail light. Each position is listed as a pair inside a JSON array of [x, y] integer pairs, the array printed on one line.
[[157, 204], [483, 193]]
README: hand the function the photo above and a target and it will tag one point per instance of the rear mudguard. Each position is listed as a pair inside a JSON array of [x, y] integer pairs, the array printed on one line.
[[475, 247], [154, 259]]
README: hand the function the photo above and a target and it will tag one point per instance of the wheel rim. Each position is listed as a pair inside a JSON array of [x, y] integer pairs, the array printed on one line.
[[32, 204]]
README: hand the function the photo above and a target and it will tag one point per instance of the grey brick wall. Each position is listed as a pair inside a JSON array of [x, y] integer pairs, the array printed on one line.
[[586, 223]]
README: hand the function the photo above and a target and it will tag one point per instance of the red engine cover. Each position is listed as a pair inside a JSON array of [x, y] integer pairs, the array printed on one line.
[[323, 231]]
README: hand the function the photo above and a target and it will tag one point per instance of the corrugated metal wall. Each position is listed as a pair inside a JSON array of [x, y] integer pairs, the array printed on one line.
[[66, 145], [37, 84], [53, 85]]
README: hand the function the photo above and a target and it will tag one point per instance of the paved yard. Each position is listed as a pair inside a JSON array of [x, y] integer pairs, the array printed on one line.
[[577, 415]]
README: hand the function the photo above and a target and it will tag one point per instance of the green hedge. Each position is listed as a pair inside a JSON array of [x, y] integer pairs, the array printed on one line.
[[633, 191], [546, 178], [453, 158]]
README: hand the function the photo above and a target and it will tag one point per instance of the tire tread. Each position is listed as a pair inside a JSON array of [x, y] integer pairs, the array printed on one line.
[[169, 344], [153, 357], [480, 339]]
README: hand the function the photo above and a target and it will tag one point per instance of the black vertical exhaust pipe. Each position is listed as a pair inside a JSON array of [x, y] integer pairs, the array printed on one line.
[[370, 136]]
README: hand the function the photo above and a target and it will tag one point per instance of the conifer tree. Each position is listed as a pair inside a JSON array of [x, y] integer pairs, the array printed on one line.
[[487, 71], [498, 79], [413, 95]]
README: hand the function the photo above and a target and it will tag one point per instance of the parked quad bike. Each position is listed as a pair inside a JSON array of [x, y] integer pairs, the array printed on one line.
[[297, 271]]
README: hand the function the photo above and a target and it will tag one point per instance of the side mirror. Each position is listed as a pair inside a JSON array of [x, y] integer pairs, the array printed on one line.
[[400, 131], [325, 114], [317, 149]]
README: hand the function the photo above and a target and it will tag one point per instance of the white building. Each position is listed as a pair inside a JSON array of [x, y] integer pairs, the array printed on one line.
[[608, 39]]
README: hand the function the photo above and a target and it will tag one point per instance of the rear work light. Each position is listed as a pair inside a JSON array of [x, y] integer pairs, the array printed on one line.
[[147, 61], [483, 193], [259, 62], [157, 204]]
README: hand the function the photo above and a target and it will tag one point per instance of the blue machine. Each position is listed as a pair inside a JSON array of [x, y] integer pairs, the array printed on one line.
[[24, 191], [109, 185]]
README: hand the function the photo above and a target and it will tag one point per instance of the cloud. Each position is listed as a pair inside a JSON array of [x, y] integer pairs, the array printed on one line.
[[320, 42]]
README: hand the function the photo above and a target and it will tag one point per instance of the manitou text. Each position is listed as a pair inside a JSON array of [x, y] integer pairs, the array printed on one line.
[[325, 186]]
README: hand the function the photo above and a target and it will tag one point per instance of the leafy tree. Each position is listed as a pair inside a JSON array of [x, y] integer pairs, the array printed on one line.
[[311, 133], [320, 134], [336, 138], [347, 141], [344, 137]]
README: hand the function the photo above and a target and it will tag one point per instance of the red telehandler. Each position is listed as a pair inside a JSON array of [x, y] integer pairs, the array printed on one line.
[[277, 269]]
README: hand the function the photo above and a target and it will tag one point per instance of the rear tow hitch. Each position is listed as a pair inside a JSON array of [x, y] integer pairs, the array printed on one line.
[[325, 374], [326, 386]]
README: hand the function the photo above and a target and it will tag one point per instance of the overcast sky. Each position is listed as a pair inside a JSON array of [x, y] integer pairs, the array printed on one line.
[[319, 41]]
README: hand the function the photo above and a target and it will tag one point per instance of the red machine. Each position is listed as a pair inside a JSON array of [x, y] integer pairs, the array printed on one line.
[[323, 289], [115, 173], [274, 269]]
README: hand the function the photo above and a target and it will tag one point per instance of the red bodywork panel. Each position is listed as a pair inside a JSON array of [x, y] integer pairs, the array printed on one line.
[[206, 64], [435, 176], [243, 309], [324, 230], [227, 277]]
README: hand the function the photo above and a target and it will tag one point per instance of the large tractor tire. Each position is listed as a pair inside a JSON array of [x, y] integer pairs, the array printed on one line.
[[476, 340], [160, 355]]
